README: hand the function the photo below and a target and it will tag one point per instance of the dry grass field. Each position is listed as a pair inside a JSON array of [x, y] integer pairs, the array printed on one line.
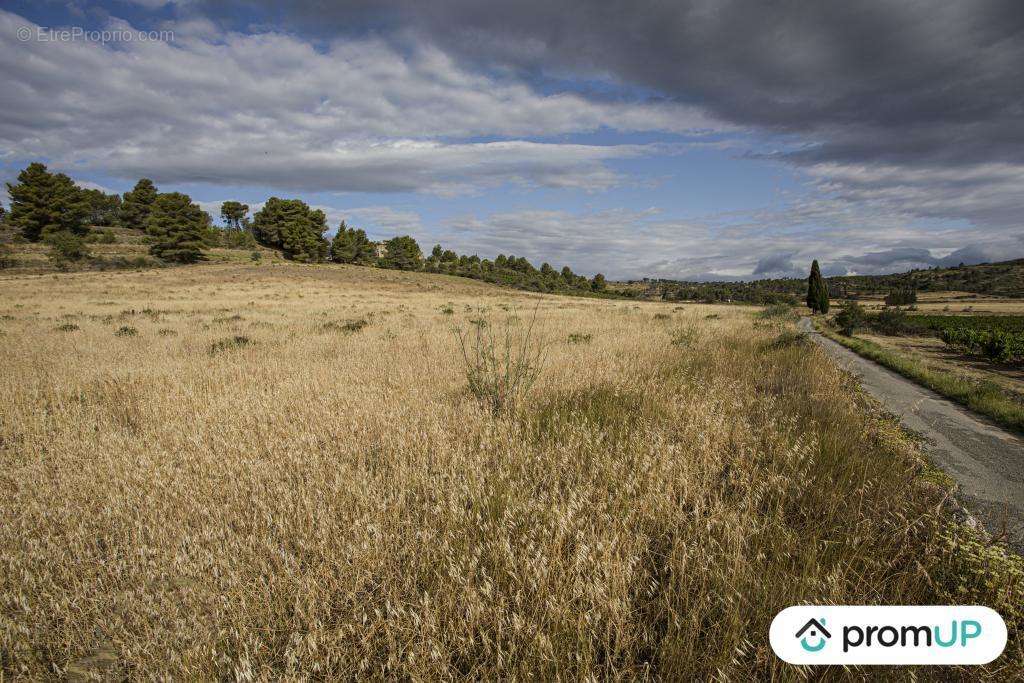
[[278, 471], [964, 303]]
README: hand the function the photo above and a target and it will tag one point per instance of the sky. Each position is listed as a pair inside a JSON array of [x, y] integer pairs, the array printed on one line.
[[696, 139]]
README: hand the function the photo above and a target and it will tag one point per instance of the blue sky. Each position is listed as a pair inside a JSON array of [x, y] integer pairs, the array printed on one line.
[[665, 157]]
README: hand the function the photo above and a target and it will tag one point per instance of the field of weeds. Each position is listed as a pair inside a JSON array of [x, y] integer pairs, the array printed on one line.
[[263, 472]]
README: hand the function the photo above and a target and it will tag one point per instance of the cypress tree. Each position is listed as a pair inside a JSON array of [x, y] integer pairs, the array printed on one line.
[[44, 202], [137, 204], [817, 290], [178, 225]]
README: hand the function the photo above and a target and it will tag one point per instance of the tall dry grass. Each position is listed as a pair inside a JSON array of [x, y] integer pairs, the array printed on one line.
[[331, 501]]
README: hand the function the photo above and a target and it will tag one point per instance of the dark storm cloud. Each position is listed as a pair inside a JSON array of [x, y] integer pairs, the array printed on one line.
[[904, 258], [774, 263], [881, 80], [890, 256]]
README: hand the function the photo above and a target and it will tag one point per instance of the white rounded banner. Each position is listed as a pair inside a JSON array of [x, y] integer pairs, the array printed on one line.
[[846, 634]]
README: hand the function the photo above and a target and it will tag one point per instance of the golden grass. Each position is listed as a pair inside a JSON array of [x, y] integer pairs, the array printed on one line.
[[332, 502]]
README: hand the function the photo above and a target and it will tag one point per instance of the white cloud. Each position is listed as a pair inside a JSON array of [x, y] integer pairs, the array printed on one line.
[[779, 242], [271, 109]]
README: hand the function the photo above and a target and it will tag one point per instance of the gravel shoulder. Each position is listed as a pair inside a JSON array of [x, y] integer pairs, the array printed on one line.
[[986, 461]]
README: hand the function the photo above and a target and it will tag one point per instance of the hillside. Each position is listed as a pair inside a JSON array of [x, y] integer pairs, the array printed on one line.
[[1003, 279]]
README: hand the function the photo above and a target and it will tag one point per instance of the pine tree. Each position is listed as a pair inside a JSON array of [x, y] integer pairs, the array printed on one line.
[[291, 226], [103, 208], [403, 253], [44, 202], [137, 204], [351, 245], [817, 290], [234, 215], [177, 224]]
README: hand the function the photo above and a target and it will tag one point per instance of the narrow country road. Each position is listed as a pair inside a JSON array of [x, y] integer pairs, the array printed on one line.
[[986, 461]]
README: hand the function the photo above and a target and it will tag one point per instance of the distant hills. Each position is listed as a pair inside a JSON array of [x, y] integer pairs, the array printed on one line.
[[1004, 279]]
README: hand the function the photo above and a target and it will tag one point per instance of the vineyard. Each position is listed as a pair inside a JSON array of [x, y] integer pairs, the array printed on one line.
[[939, 323], [993, 344]]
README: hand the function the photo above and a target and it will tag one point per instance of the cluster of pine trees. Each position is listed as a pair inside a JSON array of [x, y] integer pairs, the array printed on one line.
[[513, 271], [50, 207]]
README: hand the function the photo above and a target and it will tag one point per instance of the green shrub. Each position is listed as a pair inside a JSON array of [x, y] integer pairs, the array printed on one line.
[[501, 366], [850, 318], [579, 338], [67, 327], [66, 247], [778, 310], [102, 236], [126, 331], [255, 256], [891, 322]]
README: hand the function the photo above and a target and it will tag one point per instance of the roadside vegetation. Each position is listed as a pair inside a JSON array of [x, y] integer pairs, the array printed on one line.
[[242, 489], [987, 398]]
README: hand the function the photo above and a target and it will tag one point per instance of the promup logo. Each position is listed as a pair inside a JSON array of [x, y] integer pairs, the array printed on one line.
[[817, 630], [888, 635]]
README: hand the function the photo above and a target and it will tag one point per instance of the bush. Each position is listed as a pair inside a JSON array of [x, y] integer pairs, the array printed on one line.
[[255, 256], [67, 327], [502, 366], [901, 297], [66, 247], [578, 338], [850, 317], [126, 331], [5, 256], [102, 237], [778, 310], [236, 239], [891, 322]]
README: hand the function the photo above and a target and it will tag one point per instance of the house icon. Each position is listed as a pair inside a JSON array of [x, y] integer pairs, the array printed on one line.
[[814, 629]]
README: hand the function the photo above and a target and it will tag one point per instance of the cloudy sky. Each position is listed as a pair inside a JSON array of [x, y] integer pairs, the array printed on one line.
[[696, 139]]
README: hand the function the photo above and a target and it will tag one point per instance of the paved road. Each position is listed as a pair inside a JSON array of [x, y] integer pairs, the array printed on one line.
[[985, 460]]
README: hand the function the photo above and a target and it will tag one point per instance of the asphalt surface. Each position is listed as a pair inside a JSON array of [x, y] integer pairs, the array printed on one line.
[[986, 461]]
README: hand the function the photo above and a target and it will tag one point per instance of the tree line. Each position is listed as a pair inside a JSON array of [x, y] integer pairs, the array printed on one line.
[[50, 207]]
